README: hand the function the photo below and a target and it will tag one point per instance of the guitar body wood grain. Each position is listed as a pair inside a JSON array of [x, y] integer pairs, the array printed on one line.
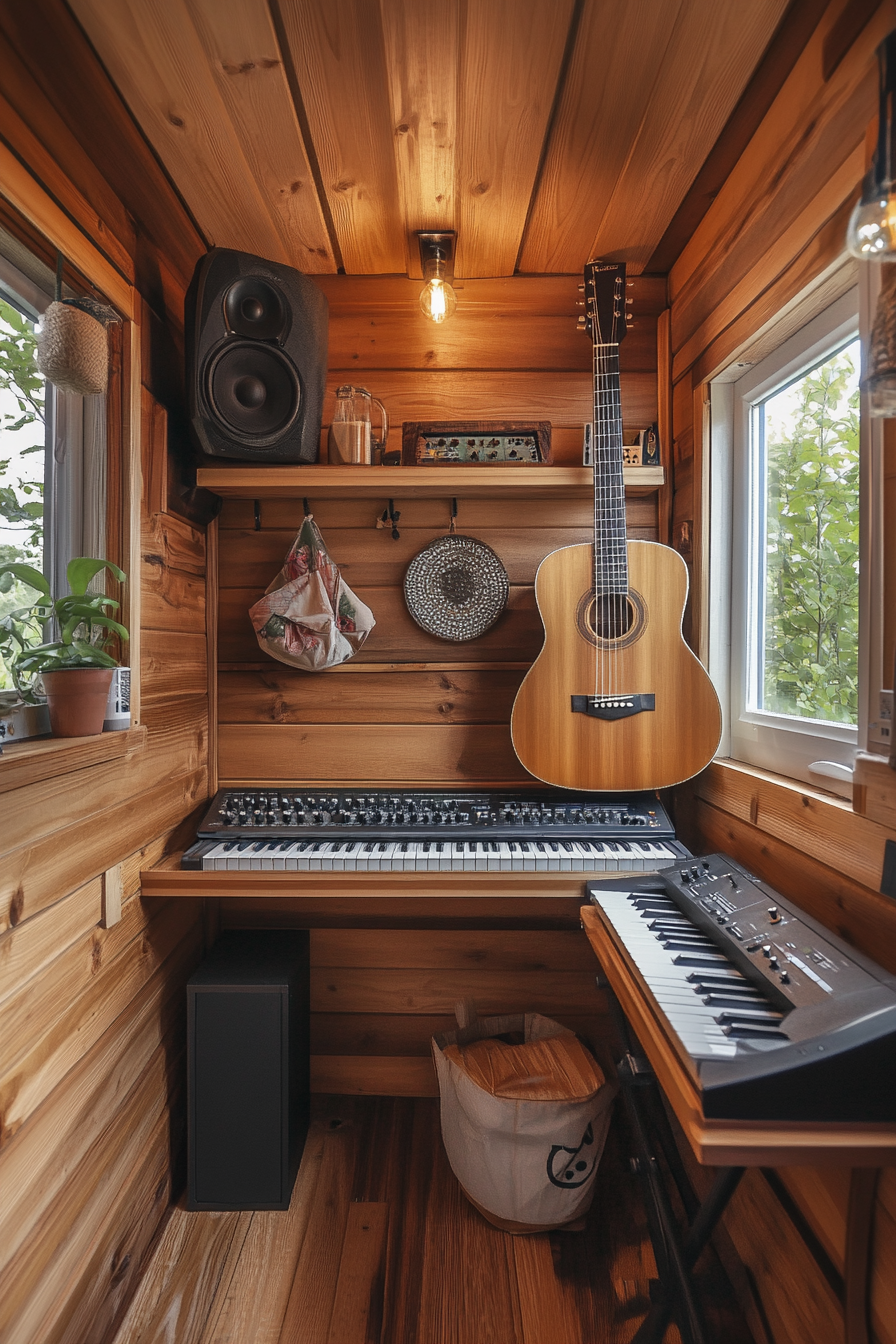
[[650, 750]]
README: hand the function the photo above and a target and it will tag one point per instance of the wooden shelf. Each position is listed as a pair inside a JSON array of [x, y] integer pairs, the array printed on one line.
[[274, 482]]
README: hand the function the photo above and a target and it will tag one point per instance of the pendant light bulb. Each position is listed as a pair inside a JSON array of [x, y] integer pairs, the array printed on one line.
[[438, 300], [872, 225]]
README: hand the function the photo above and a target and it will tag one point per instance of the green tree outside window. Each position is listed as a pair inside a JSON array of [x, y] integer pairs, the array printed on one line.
[[811, 625]]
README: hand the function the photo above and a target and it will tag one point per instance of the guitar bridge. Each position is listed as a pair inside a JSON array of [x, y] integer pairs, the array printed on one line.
[[612, 706]]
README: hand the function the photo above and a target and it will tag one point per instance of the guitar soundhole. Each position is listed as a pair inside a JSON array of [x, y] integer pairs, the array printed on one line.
[[613, 620]]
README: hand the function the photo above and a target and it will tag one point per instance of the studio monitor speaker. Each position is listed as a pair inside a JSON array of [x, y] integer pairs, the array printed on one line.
[[256, 337]]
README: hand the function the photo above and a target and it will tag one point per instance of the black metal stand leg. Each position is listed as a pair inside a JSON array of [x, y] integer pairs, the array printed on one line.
[[675, 1260]]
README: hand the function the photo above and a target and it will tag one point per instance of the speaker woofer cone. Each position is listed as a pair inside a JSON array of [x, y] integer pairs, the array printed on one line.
[[254, 391]]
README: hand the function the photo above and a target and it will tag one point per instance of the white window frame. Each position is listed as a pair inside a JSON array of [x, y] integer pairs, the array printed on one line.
[[776, 742]]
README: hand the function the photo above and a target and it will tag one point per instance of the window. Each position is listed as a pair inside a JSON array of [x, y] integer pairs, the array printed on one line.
[[789, 528], [52, 446]]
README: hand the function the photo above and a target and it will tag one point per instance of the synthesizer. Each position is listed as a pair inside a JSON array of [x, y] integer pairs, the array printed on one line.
[[773, 1016], [283, 830]]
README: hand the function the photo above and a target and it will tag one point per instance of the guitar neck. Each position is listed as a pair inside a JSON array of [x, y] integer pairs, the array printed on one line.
[[610, 550]]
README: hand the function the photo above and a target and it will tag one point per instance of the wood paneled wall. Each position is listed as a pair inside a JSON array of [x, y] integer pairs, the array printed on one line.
[[410, 708], [771, 250], [91, 1006]]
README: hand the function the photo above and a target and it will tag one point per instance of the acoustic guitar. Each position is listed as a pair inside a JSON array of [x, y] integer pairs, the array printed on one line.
[[615, 701]]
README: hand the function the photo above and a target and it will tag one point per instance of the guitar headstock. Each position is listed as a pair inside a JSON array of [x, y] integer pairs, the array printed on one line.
[[606, 313]]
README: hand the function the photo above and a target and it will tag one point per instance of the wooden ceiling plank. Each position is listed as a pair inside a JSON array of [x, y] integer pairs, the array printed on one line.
[[241, 49], [422, 60], [712, 53], [617, 56], [794, 31], [510, 67], [153, 54], [787, 163], [338, 54]]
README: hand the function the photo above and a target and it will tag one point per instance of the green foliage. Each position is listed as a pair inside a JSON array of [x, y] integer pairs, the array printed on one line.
[[81, 619], [21, 502], [812, 551]]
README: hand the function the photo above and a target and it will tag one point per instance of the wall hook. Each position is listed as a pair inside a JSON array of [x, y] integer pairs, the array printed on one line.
[[306, 506], [452, 526], [257, 515], [390, 515]]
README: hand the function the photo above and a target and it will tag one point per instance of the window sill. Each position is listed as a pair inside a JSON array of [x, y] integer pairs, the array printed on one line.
[[44, 758]]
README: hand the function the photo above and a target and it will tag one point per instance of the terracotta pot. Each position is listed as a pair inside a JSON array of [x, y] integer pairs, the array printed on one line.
[[76, 697]]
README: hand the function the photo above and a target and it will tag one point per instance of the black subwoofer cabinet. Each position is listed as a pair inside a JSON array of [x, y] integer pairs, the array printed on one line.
[[248, 1088]]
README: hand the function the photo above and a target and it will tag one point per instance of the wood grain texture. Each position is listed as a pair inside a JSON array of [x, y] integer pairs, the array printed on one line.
[[811, 130], [240, 47], [357, 1309], [509, 73], [422, 57], [291, 696], [483, 483], [334, 50], [509, 950], [67, 93], [817, 824], [373, 1076], [287, 753], [427, 991], [448, 1275], [708, 58], [643, 751], [584, 157], [155, 56]]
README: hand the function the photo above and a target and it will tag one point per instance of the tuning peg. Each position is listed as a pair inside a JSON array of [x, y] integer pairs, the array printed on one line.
[[580, 322], [581, 289], [629, 302], [630, 284]]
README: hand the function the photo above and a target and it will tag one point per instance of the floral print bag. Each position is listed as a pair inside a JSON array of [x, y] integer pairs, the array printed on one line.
[[309, 617]]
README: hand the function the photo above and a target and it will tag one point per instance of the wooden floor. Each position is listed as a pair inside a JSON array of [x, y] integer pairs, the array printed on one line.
[[380, 1246]]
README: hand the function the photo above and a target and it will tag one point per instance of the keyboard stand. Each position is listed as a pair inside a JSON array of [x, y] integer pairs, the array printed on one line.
[[673, 1292], [649, 1071]]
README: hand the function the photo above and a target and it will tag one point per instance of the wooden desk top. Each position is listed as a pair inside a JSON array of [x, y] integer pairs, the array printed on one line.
[[750, 1143]]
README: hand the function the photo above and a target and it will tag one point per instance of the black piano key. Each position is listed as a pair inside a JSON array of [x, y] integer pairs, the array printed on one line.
[[741, 1031]]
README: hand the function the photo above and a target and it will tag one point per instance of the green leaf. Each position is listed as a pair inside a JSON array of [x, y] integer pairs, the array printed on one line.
[[28, 575], [80, 571]]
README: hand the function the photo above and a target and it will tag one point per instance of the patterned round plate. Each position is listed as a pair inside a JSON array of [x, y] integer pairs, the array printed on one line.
[[456, 587]]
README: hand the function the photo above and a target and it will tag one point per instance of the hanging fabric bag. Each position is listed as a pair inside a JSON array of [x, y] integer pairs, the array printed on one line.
[[309, 617]]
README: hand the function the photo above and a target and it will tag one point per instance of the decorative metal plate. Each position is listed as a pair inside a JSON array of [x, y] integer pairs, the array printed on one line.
[[456, 588]]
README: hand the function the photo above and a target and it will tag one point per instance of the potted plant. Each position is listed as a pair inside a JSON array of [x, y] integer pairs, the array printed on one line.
[[76, 668]]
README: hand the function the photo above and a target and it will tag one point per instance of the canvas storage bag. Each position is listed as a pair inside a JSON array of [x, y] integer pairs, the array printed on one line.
[[309, 617], [523, 1126]]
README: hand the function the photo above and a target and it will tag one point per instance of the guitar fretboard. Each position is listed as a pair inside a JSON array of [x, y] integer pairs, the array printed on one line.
[[610, 551]]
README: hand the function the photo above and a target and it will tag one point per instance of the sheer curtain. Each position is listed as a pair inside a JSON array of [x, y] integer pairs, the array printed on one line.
[[75, 484]]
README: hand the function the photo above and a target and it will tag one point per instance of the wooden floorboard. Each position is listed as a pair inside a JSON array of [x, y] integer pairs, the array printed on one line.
[[380, 1246]]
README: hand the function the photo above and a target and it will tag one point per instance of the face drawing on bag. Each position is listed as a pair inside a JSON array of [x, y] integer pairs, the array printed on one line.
[[570, 1167]]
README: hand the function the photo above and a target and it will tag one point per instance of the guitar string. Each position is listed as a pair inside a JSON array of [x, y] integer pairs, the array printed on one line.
[[611, 562]]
